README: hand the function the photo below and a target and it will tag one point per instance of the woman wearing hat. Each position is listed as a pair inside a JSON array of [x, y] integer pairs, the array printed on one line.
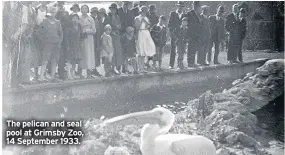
[[145, 44], [114, 20], [75, 8], [87, 24]]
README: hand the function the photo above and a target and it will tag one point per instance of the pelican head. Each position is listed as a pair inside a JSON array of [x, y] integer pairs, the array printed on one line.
[[161, 117]]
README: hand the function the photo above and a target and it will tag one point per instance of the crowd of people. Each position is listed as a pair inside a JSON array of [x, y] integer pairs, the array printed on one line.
[[53, 44]]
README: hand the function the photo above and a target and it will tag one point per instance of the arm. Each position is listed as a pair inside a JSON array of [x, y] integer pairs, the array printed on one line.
[[137, 23], [228, 25], [59, 31], [93, 25], [171, 22], [154, 34], [223, 29]]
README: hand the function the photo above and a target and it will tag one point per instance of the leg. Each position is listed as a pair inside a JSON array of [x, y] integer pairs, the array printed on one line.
[[161, 49], [190, 56], [172, 53], [216, 55], [180, 56], [53, 69], [134, 63], [43, 71], [209, 53], [61, 65], [240, 53]]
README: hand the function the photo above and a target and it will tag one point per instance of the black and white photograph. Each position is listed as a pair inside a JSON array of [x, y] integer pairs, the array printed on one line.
[[142, 78]]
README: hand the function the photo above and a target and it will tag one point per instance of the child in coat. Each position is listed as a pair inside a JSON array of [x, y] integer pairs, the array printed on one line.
[[107, 49], [73, 41], [129, 49], [158, 34]]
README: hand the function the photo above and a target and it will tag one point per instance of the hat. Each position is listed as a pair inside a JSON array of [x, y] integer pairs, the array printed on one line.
[[162, 17], [184, 19], [180, 3], [74, 6], [221, 8], [242, 10], [126, 2], [204, 7], [113, 5], [102, 10], [51, 9], [94, 9], [60, 2], [196, 4], [151, 7], [135, 3], [141, 3], [143, 8], [129, 29]]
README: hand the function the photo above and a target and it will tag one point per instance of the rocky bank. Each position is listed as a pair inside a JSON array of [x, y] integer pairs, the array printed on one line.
[[224, 117]]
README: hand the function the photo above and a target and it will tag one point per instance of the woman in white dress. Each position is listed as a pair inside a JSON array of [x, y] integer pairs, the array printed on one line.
[[87, 23], [145, 44]]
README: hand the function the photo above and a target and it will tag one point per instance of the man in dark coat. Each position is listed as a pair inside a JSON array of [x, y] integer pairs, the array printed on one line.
[[126, 17], [195, 31], [152, 16], [175, 21], [94, 14], [181, 38], [63, 16], [233, 27], [242, 21], [217, 25]]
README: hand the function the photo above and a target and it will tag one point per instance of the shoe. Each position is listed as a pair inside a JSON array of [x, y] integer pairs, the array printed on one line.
[[135, 72], [170, 67], [217, 63]]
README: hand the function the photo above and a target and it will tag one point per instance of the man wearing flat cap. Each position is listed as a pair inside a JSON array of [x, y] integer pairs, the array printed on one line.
[[194, 31], [217, 24], [175, 21]]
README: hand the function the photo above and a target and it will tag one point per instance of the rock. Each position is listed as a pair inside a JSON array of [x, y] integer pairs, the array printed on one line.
[[241, 137], [222, 151], [244, 100], [221, 97], [237, 82], [271, 67], [117, 151], [248, 151], [231, 106]]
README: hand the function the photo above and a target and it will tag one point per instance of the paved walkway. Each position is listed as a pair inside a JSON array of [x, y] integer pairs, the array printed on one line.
[[247, 56]]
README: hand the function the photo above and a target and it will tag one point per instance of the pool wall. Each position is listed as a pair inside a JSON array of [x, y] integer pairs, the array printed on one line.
[[125, 87]]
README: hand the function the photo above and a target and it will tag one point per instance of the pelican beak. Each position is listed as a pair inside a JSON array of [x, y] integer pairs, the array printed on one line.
[[137, 118]]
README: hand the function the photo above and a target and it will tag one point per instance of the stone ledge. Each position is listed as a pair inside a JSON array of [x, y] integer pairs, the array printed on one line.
[[104, 79]]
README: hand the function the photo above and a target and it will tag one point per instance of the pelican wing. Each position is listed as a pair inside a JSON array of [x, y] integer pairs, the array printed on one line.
[[193, 144]]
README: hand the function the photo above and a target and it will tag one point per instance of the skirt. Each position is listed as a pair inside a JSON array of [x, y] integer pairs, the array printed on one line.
[[145, 44], [88, 54]]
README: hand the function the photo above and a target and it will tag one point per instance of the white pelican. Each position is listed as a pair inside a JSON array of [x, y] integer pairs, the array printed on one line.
[[154, 137]]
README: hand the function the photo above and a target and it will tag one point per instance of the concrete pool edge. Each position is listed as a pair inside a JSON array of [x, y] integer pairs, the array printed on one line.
[[120, 89], [103, 79]]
